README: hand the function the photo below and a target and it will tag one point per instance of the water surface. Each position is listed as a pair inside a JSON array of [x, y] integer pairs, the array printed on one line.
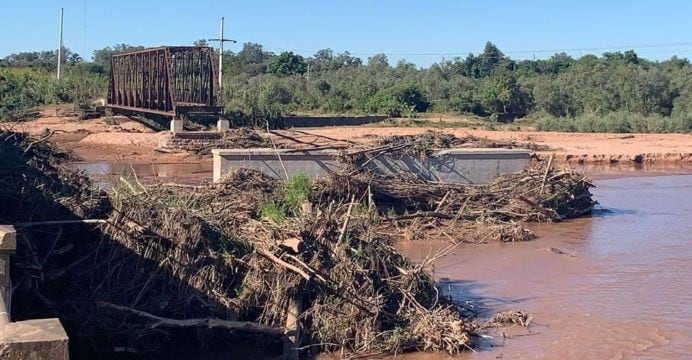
[[175, 172], [626, 294]]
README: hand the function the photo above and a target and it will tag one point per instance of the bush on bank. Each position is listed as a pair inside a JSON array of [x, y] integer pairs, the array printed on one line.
[[618, 122]]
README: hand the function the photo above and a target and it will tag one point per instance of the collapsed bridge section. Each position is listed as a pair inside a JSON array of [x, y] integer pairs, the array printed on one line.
[[168, 81]]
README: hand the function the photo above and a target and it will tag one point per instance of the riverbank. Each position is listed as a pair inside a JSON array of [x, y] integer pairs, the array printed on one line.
[[119, 139], [573, 148]]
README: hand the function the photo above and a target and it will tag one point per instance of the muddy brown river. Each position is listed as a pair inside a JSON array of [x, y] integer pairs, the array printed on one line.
[[624, 293]]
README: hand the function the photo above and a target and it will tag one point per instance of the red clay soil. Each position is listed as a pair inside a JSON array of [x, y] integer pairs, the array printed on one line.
[[575, 148], [121, 139], [112, 140]]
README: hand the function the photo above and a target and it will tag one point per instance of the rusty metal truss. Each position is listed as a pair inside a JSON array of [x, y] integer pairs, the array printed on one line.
[[168, 81]]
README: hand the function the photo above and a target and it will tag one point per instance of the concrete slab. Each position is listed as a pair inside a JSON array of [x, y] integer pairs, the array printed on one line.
[[34, 340], [8, 238], [449, 165]]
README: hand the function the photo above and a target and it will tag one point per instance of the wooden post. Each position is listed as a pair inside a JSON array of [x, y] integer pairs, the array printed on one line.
[[292, 327]]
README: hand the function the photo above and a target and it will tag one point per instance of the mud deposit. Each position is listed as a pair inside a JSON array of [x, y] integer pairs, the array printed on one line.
[[625, 291]]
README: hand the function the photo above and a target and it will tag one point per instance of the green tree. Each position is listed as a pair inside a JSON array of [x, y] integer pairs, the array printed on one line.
[[287, 63], [399, 100], [102, 57], [501, 95], [378, 62], [345, 59]]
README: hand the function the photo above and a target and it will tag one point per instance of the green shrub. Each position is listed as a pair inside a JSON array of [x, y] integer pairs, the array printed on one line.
[[25, 88], [295, 191], [398, 100], [618, 122], [272, 211]]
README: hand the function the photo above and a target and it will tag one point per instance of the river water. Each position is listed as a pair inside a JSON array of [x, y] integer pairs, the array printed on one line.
[[625, 293]]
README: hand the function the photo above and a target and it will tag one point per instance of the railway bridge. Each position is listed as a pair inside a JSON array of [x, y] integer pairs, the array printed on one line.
[[169, 81]]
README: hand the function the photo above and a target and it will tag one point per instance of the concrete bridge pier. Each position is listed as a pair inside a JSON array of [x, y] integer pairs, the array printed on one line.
[[30, 339], [176, 125], [223, 125]]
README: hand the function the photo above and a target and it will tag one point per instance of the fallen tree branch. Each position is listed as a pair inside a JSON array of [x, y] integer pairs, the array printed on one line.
[[277, 133], [210, 323], [324, 136], [348, 217], [420, 214], [48, 136], [541, 209], [547, 170], [61, 222], [278, 154], [316, 148], [286, 265]]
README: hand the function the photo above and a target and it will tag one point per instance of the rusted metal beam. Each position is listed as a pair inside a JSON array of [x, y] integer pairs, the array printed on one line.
[[165, 81]]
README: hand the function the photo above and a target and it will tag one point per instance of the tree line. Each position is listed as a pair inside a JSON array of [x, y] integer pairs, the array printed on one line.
[[624, 90]]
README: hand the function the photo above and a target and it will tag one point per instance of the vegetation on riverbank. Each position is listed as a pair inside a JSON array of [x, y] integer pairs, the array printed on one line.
[[22, 89], [616, 92], [617, 122]]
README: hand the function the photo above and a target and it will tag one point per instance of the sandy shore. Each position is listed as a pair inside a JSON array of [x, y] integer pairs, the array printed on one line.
[[570, 147], [116, 140], [122, 139]]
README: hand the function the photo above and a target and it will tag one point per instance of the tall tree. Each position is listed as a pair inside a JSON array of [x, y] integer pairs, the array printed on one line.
[[287, 63]]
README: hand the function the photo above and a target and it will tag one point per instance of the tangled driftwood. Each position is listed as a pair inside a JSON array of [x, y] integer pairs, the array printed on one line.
[[254, 255]]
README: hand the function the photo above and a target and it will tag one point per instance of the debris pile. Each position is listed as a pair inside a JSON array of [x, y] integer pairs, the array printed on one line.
[[308, 260], [430, 141], [420, 209], [35, 183], [243, 138], [240, 256], [510, 317], [256, 247], [83, 110], [202, 143]]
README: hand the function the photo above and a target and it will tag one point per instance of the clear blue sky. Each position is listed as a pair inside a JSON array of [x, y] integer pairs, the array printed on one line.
[[425, 31]]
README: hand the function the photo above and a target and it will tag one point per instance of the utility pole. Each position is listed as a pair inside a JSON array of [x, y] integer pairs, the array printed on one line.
[[221, 40], [60, 44]]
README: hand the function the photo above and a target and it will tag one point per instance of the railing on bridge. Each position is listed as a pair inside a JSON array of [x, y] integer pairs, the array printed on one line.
[[168, 81]]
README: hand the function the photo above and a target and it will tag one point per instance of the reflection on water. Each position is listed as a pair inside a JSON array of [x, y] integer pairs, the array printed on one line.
[[622, 169], [627, 293], [183, 172]]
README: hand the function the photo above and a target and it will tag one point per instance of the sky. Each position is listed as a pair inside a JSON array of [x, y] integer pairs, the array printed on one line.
[[422, 32]]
